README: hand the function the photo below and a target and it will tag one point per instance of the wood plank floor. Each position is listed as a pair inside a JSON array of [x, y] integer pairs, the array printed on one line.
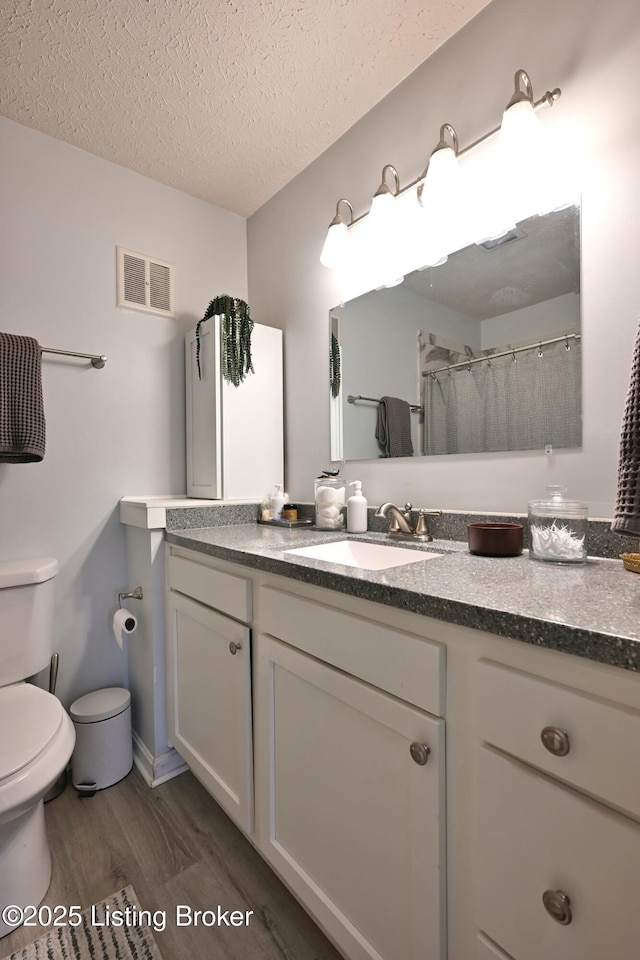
[[176, 846]]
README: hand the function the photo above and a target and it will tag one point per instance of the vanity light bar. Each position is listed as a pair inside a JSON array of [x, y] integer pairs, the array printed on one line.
[[546, 100]]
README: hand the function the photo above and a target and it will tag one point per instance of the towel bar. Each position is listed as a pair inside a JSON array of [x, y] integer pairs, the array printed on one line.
[[96, 361]]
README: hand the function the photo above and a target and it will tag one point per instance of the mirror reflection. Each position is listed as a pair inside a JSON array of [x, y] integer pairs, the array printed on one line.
[[479, 354]]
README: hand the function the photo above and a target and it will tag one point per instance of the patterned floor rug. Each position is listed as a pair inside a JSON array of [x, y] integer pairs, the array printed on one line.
[[100, 936]]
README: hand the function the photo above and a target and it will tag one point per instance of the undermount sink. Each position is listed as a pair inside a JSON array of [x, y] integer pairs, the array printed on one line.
[[365, 556]]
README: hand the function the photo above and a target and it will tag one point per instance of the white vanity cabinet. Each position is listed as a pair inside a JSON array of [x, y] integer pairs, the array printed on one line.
[[347, 699], [209, 680], [351, 752], [558, 862]]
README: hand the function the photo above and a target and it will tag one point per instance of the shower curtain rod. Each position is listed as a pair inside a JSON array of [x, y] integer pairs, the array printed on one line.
[[466, 364], [352, 399], [96, 361]]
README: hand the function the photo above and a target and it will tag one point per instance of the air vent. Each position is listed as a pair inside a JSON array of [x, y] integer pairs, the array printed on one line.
[[144, 283], [515, 234]]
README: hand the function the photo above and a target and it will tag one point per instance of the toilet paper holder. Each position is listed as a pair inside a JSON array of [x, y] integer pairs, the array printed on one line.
[[135, 594]]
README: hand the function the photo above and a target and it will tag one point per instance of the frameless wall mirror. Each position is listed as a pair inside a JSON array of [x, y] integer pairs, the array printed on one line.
[[484, 349]]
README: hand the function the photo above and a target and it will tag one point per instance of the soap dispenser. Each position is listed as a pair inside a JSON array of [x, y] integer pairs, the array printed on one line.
[[356, 509], [278, 500]]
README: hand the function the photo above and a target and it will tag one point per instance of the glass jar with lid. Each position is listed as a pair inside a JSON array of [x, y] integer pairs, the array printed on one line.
[[558, 528], [329, 500]]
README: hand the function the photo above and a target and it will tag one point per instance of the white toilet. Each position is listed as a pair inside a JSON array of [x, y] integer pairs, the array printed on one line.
[[36, 735]]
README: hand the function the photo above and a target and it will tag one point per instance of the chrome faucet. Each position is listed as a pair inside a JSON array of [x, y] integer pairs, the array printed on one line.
[[402, 527]]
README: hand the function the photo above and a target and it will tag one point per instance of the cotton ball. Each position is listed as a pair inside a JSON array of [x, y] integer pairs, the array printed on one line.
[[330, 513], [325, 496]]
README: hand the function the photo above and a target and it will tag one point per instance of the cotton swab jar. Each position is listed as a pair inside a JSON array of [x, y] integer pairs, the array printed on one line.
[[558, 528]]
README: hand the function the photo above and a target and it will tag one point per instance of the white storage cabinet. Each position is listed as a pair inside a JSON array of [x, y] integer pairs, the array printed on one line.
[[235, 436]]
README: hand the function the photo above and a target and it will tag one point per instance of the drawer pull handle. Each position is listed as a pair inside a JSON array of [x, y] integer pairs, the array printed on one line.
[[419, 753], [558, 906], [556, 741], [234, 647]]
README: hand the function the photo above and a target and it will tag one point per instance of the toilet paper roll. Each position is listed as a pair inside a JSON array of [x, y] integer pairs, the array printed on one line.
[[124, 623]]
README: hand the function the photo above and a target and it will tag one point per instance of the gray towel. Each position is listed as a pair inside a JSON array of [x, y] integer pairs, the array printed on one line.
[[393, 428], [22, 423], [626, 518]]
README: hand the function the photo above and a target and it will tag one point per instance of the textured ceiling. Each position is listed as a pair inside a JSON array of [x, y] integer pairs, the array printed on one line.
[[225, 100], [541, 264]]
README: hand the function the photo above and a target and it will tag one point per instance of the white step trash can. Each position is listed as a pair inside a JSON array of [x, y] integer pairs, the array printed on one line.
[[103, 753]]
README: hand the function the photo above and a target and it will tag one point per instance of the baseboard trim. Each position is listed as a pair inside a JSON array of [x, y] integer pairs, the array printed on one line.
[[156, 770]]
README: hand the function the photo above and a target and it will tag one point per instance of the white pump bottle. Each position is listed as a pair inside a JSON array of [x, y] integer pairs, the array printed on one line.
[[356, 509], [278, 500]]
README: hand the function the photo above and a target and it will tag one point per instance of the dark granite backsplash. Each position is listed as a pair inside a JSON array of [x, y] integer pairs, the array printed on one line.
[[450, 526], [601, 541], [216, 515]]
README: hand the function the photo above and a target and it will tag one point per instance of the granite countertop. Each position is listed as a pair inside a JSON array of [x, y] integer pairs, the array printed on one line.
[[591, 610]]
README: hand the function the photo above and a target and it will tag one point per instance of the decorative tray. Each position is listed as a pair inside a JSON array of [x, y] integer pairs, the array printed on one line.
[[286, 523]]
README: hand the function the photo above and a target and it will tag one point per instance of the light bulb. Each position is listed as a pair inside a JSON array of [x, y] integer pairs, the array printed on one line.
[[521, 131], [381, 210], [443, 197], [382, 231], [335, 246]]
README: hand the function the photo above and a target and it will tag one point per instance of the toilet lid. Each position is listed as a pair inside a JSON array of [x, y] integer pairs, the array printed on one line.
[[29, 719]]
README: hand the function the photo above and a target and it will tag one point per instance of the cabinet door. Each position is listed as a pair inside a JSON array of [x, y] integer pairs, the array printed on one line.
[[351, 822], [209, 699], [487, 950], [204, 412], [253, 422]]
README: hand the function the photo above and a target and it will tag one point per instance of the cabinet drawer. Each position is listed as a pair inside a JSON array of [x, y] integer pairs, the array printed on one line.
[[400, 663], [603, 737], [536, 836], [225, 592]]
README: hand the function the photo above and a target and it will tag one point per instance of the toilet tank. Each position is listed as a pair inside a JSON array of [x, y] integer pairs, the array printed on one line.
[[26, 617]]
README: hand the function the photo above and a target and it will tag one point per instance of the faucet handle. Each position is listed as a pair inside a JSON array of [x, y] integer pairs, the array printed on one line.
[[421, 526]]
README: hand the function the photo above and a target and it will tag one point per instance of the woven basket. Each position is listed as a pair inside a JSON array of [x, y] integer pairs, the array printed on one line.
[[631, 561]]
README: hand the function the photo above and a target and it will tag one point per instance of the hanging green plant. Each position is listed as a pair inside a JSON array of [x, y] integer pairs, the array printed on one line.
[[237, 326], [334, 366]]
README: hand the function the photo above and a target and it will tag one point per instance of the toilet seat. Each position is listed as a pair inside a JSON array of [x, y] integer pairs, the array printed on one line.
[[36, 750], [33, 717]]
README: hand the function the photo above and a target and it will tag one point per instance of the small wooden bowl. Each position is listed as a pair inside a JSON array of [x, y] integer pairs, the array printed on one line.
[[495, 539]]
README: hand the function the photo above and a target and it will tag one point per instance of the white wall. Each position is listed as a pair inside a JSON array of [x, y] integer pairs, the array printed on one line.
[[367, 337], [591, 50], [110, 432], [551, 318], [379, 354]]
